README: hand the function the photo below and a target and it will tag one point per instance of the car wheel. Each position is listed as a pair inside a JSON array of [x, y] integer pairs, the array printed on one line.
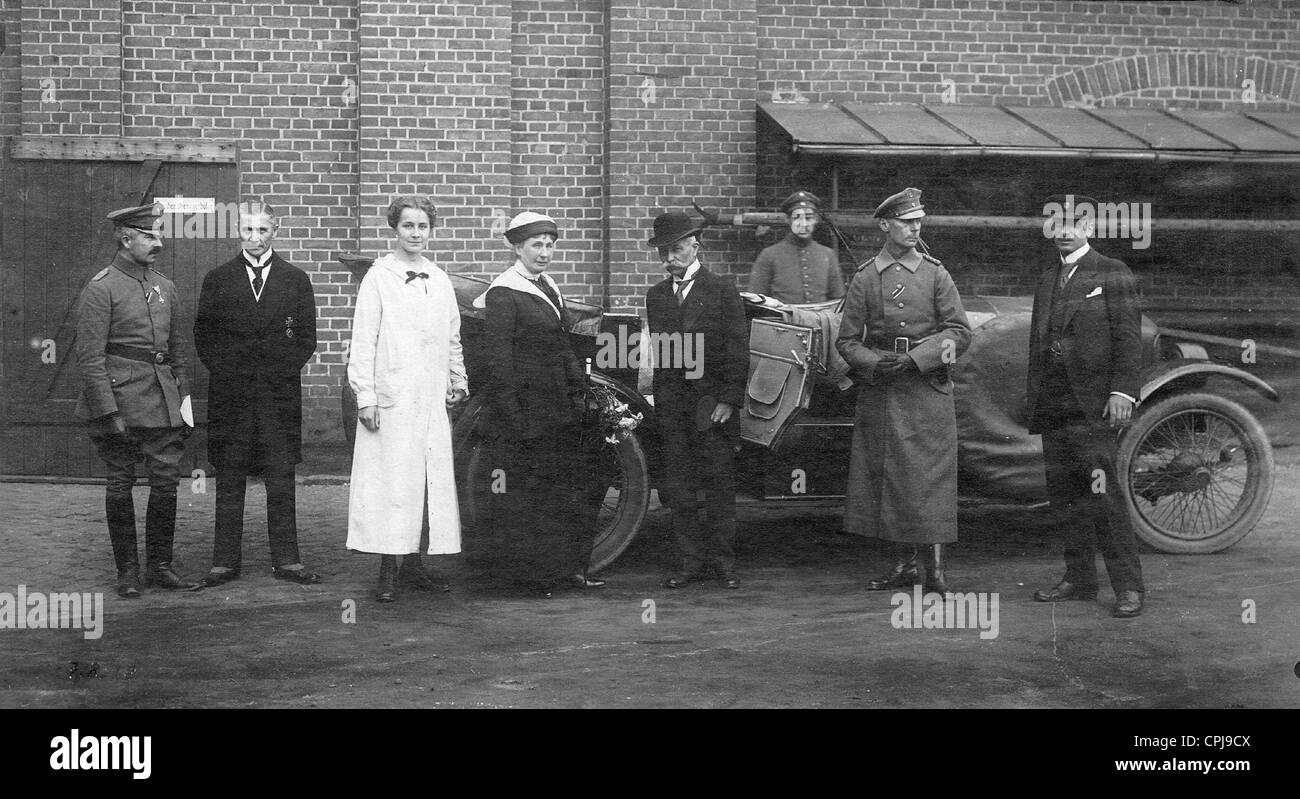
[[623, 494], [1196, 472]]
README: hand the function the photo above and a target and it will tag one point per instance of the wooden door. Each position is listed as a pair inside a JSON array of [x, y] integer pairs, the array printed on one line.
[[53, 239]]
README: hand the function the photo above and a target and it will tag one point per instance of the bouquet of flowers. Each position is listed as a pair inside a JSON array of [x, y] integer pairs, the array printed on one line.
[[609, 415]]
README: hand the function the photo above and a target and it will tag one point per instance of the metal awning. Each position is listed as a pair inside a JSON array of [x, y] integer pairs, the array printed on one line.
[[873, 129]]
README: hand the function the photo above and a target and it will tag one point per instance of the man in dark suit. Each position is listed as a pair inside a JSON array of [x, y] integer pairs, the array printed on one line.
[[698, 392], [1085, 355], [255, 330]]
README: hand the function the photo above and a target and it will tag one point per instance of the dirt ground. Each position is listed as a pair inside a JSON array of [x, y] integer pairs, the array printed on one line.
[[801, 631]]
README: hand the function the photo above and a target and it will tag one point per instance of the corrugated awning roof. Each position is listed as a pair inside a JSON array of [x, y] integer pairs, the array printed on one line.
[[869, 129]]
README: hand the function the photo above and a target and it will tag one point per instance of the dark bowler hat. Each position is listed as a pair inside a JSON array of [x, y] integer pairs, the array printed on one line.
[[904, 205], [801, 198], [140, 217], [673, 226]]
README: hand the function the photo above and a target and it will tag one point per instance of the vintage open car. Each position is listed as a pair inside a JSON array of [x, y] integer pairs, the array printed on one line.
[[1195, 467]]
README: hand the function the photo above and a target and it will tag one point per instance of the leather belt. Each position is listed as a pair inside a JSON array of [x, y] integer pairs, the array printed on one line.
[[137, 354]]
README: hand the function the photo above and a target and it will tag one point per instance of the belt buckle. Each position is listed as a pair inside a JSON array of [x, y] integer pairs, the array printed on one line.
[[159, 357]]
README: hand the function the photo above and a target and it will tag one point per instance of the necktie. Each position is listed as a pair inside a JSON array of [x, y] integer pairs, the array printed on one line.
[[680, 290], [257, 279], [1064, 275], [548, 291], [413, 275]]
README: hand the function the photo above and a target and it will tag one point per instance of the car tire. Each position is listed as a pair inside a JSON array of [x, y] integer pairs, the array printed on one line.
[[627, 493], [1196, 472]]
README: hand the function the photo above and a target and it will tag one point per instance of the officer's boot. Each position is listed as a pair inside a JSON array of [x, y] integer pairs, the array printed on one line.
[[159, 532], [935, 581], [904, 573], [120, 512]]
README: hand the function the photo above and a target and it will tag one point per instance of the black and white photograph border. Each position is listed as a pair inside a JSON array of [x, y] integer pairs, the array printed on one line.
[[654, 136]]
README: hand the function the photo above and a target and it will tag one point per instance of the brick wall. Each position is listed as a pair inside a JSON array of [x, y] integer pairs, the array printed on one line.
[[280, 79], [1029, 51], [557, 134], [11, 75], [71, 67], [681, 128]]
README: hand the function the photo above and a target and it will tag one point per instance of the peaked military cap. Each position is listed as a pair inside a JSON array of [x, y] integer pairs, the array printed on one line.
[[804, 198], [904, 205], [140, 217]]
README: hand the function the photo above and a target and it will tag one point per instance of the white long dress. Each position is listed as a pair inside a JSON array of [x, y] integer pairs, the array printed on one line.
[[405, 353]]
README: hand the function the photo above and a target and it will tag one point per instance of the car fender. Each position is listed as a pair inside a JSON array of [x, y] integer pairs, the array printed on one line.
[[1170, 374]]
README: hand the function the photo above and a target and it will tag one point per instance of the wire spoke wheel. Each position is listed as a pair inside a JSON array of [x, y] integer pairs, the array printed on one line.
[[1196, 472]]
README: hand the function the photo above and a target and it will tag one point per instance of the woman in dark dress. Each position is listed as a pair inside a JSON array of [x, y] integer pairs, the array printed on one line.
[[535, 391]]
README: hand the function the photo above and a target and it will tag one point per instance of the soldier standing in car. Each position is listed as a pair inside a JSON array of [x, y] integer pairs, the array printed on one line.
[[130, 352], [903, 327]]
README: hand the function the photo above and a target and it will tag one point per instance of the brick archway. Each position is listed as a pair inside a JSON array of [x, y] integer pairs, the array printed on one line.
[[1206, 78]]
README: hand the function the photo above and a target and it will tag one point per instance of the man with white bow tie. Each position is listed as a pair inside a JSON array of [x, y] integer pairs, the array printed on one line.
[[1085, 357]]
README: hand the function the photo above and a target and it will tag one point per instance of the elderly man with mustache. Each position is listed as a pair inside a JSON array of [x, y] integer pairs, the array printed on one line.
[[135, 394]]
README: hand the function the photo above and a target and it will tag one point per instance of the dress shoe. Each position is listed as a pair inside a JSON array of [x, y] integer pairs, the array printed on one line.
[[583, 581], [299, 576], [681, 580], [128, 583], [418, 578], [904, 574], [1129, 605], [730, 581], [1066, 591], [215, 578], [160, 575]]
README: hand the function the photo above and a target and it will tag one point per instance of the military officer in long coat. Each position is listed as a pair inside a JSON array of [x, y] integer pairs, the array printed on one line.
[[131, 356], [903, 328], [255, 331]]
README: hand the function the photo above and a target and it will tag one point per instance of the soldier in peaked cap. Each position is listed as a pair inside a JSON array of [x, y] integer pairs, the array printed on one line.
[[798, 270], [135, 394], [903, 327]]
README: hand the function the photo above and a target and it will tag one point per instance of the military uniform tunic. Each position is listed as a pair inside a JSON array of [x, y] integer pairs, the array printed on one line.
[[797, 271], [903, 467], [131, 305]]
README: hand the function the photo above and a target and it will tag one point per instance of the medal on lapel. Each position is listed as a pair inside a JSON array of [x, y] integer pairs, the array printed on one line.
[[288, 327]]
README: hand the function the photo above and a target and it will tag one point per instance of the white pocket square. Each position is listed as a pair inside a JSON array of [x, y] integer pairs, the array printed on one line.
[[1094, 293]]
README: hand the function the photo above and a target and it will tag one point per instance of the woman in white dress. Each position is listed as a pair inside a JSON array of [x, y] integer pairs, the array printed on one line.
[[406, 368]]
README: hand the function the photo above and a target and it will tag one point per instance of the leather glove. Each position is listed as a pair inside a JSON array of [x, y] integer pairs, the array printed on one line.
[[896, 364]]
